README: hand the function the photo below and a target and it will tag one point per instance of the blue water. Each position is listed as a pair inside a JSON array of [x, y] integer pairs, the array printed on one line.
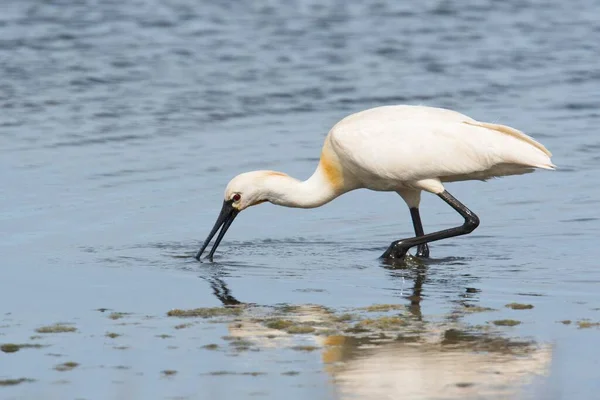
[[122, 122]]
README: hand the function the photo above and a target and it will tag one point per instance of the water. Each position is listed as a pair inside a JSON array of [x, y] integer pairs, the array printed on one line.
[[122, 122]]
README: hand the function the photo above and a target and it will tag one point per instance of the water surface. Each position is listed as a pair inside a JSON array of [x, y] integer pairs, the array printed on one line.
[[122, 122]]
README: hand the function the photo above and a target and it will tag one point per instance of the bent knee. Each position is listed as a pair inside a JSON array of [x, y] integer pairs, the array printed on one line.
[[471, 223]]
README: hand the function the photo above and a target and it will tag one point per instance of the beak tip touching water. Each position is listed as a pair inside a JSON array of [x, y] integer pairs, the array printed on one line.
[[224, 221]]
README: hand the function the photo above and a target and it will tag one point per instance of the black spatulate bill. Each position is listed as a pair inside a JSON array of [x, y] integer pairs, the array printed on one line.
[[224, 221]]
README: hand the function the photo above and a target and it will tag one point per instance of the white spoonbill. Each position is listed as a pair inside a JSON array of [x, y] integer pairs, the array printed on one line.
[[403, 149]]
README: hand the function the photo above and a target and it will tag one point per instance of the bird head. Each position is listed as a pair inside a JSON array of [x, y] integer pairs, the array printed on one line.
[[245, 190]]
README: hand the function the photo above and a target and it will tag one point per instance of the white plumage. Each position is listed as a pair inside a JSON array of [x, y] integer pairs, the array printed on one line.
[[392, 147], [403, 148]]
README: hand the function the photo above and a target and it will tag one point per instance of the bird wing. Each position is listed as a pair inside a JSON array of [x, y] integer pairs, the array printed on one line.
[[410, 143]]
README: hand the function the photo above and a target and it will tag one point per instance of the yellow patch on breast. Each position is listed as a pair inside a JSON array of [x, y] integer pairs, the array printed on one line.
[[507, 130], [331, 167]]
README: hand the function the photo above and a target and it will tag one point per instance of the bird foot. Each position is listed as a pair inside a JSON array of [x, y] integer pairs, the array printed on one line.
[[399, 249], [396, 250], [423, 251]]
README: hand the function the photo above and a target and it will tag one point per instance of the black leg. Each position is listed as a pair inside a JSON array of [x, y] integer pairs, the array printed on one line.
[[399, 248], [422, 249]]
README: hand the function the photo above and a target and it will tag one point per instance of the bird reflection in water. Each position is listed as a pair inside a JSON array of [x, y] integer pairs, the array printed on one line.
[[221, 291], [421, 358]]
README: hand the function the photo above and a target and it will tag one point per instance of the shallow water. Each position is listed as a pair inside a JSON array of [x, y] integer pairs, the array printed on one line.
[[122, 122]]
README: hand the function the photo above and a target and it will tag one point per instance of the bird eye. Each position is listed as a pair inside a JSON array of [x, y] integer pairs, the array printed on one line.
[[236, 197]]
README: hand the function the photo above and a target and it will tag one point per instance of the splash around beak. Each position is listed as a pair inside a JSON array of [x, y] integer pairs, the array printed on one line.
[[224, 221]]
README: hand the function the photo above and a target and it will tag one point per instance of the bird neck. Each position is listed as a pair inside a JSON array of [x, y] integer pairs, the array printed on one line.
[[313, 192]]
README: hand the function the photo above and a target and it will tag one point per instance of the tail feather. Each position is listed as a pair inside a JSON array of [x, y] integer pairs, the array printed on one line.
[[507, 130], [536, 156], [549, 166]]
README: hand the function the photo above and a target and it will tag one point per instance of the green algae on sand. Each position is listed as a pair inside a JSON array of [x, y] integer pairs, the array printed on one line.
[[9, 348], [383, 323], [506, 322], [279, 324], [224, 373], [383, 307], [519, 306], [302, 309], [304, 348], [12, 347], [240, 344], [475, 340], [587, 324], [205, 312], [117, 315], [300, 329], [56, 328], [345, 317], [476, 309], [13, 382], [67, 366], [456, 336]]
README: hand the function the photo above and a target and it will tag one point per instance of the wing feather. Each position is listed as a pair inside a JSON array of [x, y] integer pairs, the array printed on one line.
[[409, 143]]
